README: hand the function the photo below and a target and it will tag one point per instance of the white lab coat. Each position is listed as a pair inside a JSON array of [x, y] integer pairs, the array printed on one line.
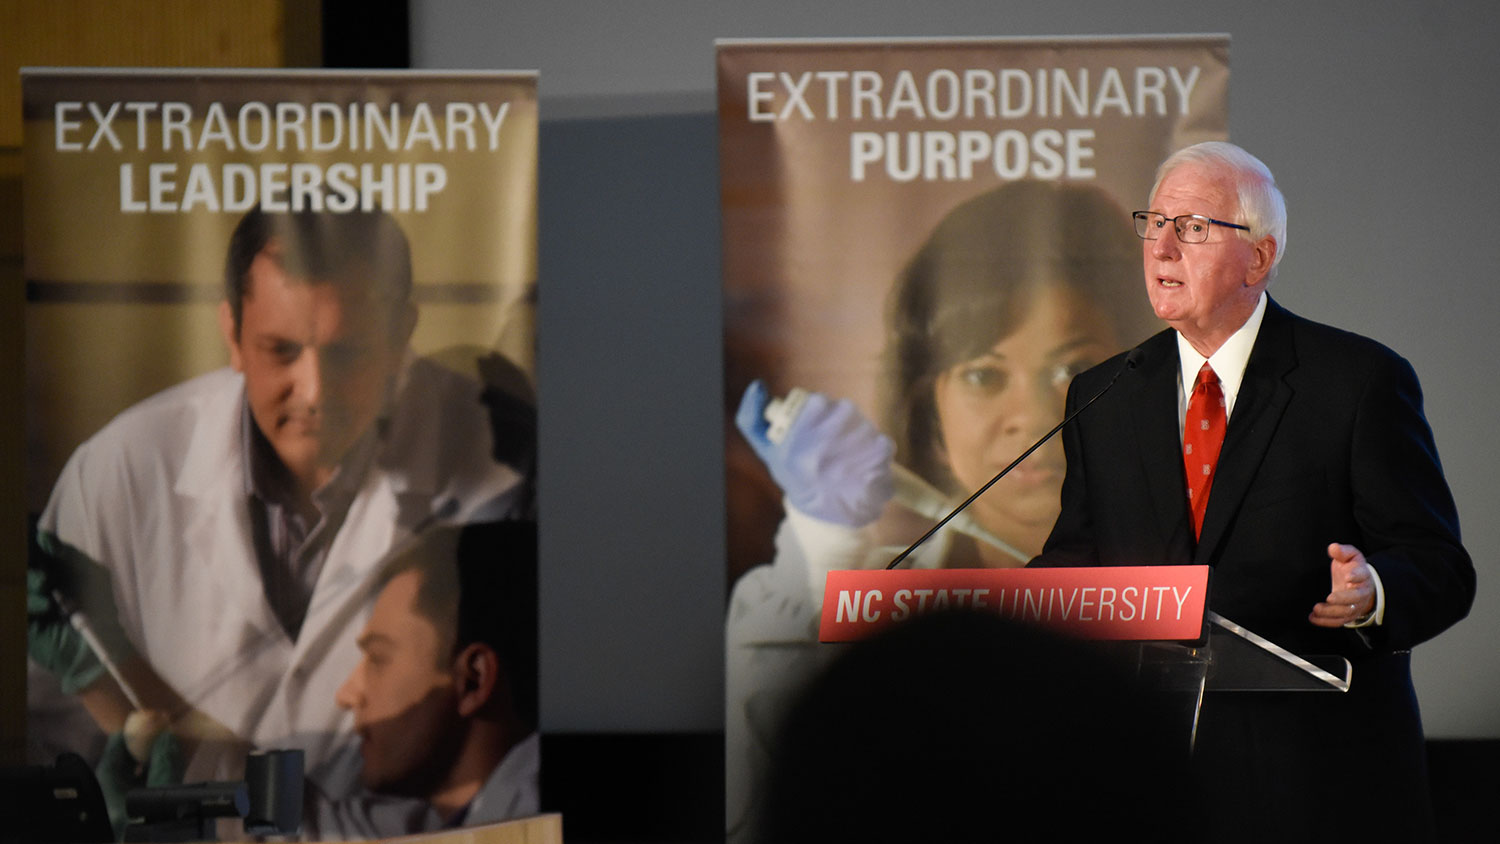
[[158, 497], [771, 643]]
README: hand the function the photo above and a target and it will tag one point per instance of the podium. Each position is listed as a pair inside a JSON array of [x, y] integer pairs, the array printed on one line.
[[1158, 613], [1232, 659]]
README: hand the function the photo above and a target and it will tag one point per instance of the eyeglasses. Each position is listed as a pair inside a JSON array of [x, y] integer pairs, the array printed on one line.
[[1191, 228]]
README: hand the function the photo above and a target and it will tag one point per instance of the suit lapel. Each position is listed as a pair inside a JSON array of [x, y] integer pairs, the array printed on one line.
[[1156, 430], [1262, 400]]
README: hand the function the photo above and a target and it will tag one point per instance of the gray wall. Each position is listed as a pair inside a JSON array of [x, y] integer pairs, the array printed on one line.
[[1380, 120]]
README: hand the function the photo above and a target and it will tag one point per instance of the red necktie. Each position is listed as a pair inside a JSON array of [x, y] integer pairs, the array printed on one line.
[[1202, 437]]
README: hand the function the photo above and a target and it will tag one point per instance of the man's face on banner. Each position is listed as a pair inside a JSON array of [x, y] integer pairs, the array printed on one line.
[[319, 359], [403, 695], [991, 408]]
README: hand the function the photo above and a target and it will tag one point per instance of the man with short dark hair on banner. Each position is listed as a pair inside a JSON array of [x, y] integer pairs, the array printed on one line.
[[232, 523], [1293, 458], [444, 696]]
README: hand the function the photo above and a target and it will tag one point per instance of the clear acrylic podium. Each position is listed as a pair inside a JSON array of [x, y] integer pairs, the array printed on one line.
[[1233, 659], [1181, 649]]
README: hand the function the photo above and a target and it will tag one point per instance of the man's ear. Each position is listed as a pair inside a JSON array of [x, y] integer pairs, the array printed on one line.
[[1264, 258], [231, 336], [476, 673]]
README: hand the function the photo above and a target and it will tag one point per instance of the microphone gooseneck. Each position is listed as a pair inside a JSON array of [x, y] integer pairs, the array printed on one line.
[[1132, 360]]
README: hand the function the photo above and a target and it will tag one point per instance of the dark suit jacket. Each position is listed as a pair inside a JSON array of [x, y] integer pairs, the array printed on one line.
[[1326, 443]]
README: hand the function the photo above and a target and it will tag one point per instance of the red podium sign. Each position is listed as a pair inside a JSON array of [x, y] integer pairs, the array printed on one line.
[[1113, 602]]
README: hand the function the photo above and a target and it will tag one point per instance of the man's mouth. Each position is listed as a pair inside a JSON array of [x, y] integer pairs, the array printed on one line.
[[1168, 282]]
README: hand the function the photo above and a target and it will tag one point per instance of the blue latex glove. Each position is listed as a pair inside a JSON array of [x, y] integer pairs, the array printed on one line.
[[833, 464]]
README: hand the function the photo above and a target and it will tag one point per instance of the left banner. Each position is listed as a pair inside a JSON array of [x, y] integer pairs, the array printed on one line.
[[280, 425]]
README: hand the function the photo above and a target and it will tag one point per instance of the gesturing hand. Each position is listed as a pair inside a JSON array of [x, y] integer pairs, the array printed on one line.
[[1352, 596]]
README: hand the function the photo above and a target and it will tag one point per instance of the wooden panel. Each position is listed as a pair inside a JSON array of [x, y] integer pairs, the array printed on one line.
[[12, 500], [96, 33], [141, 33], [541, 829]]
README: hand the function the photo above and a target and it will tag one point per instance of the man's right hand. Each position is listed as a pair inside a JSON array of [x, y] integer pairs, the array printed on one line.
[[53, 643], [56, 568], [833, 463]]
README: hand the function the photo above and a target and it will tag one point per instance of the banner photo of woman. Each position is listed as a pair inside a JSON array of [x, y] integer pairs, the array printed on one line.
[[281, 436], [924, 240]]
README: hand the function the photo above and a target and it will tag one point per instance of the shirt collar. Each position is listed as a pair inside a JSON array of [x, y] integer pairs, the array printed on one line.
[[511, 789], [1228, 361]]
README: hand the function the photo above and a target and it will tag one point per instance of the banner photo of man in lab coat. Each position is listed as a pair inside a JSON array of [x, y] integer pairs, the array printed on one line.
[[280, 344], [924, 240]]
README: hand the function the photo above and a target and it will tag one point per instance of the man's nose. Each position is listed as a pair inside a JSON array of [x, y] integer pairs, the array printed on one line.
[[1166, 246], [307, 377]]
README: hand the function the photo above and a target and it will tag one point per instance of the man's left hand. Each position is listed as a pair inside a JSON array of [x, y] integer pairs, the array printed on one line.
[[144, 754], [1353, 594]]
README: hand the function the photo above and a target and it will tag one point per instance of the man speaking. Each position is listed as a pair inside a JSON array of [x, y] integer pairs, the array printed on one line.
[[1295, 460]]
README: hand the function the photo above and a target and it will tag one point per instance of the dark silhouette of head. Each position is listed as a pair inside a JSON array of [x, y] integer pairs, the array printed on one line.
[[964, 726]]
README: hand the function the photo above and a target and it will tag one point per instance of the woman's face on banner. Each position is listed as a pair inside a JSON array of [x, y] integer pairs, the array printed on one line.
[[991, 408]]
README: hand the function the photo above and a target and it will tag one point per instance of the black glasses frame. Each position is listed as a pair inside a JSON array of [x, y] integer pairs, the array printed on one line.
[[1144, 230]]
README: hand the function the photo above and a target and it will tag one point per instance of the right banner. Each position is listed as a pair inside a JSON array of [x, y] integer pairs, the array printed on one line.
[[924, 240]]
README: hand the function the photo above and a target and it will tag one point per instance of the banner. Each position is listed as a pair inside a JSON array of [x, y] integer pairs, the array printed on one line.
[[280, 381], [924, 240]]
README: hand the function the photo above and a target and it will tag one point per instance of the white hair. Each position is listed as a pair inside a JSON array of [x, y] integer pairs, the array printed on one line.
[[1261, 206]]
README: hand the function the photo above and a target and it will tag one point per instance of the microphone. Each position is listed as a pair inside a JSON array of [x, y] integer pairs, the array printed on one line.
[[1132, 360]]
